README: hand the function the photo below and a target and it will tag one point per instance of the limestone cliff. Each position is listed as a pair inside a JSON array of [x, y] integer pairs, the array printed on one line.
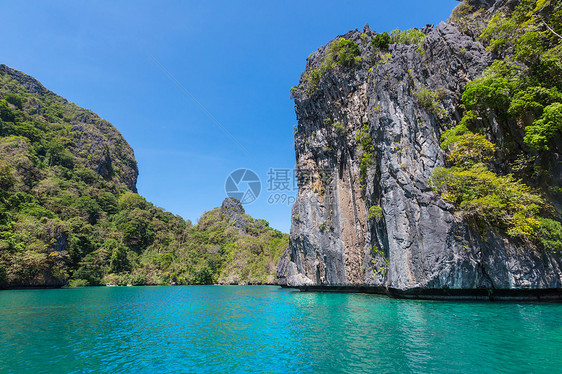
[[369, 217]]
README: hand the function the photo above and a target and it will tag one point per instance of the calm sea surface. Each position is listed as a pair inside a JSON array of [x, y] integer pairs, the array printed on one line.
[[227, 329]]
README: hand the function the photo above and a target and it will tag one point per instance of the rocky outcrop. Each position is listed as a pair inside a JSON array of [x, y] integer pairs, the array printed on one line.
[[233, 212], [412, 239]]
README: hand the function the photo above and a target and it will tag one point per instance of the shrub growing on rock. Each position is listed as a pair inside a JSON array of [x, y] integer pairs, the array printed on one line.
[[381, 42]]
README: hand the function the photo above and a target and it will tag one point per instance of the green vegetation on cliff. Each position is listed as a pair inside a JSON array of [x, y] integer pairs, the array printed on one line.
[[367, 149], [525, 81], [69, 211], [522, 89], [489, 199], [342, 52]]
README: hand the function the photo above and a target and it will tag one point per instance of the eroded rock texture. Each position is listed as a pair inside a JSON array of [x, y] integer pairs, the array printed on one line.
[[419, 241]]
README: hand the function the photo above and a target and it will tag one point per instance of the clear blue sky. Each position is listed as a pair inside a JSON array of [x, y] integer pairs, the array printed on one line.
[[239, 59]]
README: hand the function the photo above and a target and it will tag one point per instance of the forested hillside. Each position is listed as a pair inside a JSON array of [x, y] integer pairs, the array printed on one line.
[[70, 214]]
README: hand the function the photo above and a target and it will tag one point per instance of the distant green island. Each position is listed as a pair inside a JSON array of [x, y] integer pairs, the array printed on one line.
[[70, 214]]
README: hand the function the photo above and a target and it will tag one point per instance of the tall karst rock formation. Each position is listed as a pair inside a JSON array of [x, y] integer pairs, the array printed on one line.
[[371, 113]]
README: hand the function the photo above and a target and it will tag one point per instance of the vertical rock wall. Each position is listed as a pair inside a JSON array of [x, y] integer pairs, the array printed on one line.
[[419, 241]]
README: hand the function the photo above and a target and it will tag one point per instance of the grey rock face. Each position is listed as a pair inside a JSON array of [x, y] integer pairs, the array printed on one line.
[[111, 155], [232, 210], [486, 4], [418, 241]]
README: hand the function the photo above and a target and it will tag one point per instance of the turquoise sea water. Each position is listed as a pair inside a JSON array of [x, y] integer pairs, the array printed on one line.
[[227, 329]]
